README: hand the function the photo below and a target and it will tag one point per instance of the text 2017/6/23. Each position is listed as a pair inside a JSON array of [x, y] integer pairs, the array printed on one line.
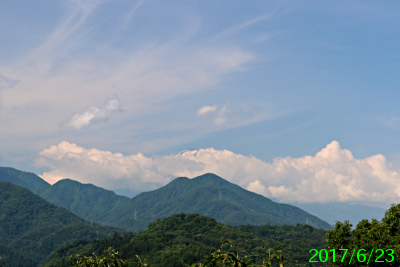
[[360, 256]]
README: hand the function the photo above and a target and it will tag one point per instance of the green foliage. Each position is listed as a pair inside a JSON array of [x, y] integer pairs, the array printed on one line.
[[109, 258], [12, 257], [369, 236], [182, 240], [218, 257]]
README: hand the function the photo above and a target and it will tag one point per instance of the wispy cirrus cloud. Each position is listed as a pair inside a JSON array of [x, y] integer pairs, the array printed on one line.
[[77, 65], [244, 25]]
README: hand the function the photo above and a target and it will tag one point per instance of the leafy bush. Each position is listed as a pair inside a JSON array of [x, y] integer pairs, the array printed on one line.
[[218, 258], [109, 258], [228, 258]]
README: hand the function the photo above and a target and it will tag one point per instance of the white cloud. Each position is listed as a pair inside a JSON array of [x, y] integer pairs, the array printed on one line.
[[333, 174], [205, 110], [257, 187], [102, 168], [94, 114], [221, 117]]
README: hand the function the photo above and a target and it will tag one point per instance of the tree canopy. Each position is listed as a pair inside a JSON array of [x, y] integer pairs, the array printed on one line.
[[374, 242]]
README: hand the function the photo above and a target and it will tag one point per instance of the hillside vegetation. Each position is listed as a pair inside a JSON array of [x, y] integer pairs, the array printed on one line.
[[181, 240], [31, 228]]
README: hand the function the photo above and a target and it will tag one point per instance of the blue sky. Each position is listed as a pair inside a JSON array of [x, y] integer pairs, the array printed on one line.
[[134, 83]]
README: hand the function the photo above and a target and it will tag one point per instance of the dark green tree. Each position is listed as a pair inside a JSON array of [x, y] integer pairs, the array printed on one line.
[[372, 243]]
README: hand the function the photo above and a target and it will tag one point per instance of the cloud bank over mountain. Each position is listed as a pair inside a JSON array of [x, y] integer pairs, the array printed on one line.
[[332, 174]]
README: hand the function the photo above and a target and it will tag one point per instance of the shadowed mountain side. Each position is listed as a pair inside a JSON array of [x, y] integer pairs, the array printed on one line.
[[34, 228], [208, 195]]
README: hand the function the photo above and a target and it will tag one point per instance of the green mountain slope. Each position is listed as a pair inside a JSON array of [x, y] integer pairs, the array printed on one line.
[[208, 195], [215, 197], [181, 240], [86, 200], [6, 177], [34, 228], [25, 179]]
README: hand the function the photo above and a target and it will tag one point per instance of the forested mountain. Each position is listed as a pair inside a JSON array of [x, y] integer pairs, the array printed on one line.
[[31, 228], [25, 179], [208, 195], [88, 201], [91, 195], [182, 239]]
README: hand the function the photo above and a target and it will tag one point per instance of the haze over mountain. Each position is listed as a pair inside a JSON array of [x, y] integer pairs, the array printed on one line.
[[333, 212]]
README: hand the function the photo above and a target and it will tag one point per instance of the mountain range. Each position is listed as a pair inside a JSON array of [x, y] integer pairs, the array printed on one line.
[[98, 202], [208, 194], [31, 227]]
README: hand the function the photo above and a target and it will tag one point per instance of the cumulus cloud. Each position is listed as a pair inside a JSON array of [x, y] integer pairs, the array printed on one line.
[[332, 174], [94, 114], [103, 168]]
